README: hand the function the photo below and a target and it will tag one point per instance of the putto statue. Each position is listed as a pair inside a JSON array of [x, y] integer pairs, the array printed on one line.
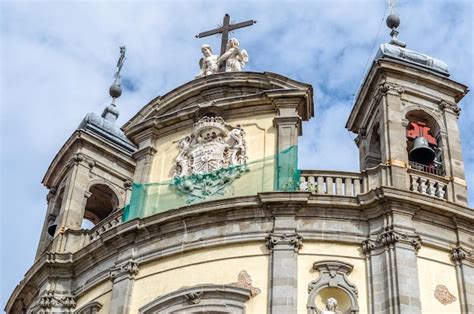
[[235, 58], [208, 63]]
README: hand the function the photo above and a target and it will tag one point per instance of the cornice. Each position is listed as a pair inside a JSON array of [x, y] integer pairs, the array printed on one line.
[[258, 208]]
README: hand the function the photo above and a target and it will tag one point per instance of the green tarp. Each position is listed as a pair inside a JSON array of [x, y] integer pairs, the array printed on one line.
[[273, 173]]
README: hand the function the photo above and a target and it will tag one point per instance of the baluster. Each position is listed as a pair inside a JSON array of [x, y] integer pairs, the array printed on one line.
[[413, 184], [312, 186], [321, 185], [431, 187], [329, 185], [441, 191], [303, 184], [357, 187], [422, 185], [339, 187], [348, 191]]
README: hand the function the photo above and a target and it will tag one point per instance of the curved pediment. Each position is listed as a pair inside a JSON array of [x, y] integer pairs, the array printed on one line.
[[227, 93]]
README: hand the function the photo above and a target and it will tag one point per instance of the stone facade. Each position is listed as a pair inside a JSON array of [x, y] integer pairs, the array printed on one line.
[[389, 239]]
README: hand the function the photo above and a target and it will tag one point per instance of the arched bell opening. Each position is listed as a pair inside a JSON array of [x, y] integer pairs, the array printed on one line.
[[424, 147], [100, 204], [53, 218], [374, 154]]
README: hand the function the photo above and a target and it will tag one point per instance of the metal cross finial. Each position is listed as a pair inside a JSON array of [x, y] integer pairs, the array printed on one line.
[[224, 30], [120, 63], [116, 90], [391, 5]]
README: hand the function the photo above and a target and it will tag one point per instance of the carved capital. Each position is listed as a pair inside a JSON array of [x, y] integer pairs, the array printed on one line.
[[448, 106], [458, 254], [49, 300], [292, 239], [390, 88], [388, 239], [129, 268]]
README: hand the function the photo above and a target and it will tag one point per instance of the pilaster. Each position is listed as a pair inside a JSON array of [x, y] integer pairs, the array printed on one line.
[[393, 134], [464, 264], [393, 277], [144, 163], [288, 125], [284, 244], [123, 279]]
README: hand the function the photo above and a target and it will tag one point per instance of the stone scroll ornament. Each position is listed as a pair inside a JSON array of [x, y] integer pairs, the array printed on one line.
[[209, 159]]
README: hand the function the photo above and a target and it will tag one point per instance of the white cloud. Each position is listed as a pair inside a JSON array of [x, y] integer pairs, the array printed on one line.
[[58, 59]]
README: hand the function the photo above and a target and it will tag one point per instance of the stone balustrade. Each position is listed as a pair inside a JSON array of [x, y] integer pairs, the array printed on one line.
[[106, 224], [428, 184], [332, 182]]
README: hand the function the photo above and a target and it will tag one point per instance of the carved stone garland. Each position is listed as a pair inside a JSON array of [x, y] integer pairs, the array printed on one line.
[[209, 159]]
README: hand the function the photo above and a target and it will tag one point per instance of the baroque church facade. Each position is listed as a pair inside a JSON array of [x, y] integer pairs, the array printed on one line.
[[197, 204]]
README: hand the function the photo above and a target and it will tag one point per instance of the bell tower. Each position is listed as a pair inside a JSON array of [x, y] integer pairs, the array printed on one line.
[[406, 120]]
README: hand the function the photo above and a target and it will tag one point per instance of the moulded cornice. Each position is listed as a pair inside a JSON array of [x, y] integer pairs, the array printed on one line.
[[74, 145], [159, 124], [263, 81]]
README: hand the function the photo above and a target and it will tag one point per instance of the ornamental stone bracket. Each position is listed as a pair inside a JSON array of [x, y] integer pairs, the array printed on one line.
[[123, 271], [449, 106], [287, 239], [389, 238], [51, 302], [194, 297], [332, 275], [458, 254], [390, 88]]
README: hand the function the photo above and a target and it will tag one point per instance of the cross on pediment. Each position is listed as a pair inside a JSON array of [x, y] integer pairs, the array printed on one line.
[[224, 30]]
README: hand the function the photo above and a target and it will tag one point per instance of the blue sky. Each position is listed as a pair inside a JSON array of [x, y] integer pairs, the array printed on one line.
[[58, 59]]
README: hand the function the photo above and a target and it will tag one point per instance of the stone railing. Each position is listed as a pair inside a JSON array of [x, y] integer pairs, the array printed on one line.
[[108, 223], [429, 184], [332, 182]]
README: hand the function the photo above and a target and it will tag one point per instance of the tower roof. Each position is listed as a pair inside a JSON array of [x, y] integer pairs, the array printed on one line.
[[395, 52]]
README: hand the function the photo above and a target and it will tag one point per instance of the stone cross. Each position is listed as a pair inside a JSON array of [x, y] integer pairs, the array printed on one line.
[[224, 30]]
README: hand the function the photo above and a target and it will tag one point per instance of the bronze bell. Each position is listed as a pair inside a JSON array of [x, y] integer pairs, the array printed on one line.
[[421, 152], [52, 227]]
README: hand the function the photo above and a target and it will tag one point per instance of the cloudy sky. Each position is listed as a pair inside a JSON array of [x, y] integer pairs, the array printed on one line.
[[58, 59]]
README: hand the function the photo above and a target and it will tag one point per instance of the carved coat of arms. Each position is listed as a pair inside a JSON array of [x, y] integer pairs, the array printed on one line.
[[209, 159]]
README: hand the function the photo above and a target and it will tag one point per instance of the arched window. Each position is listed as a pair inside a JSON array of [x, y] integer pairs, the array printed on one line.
[[202, 299], [101, 203], [424, 147], [53, 217]]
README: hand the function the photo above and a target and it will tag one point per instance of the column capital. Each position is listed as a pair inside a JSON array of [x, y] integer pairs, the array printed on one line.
[[128, 269], [284, 239], [390, 238], [458, 254]]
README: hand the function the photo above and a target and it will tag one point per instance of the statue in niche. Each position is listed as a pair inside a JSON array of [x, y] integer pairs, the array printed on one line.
[[235, 58], [208, 62], [331, 307]]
